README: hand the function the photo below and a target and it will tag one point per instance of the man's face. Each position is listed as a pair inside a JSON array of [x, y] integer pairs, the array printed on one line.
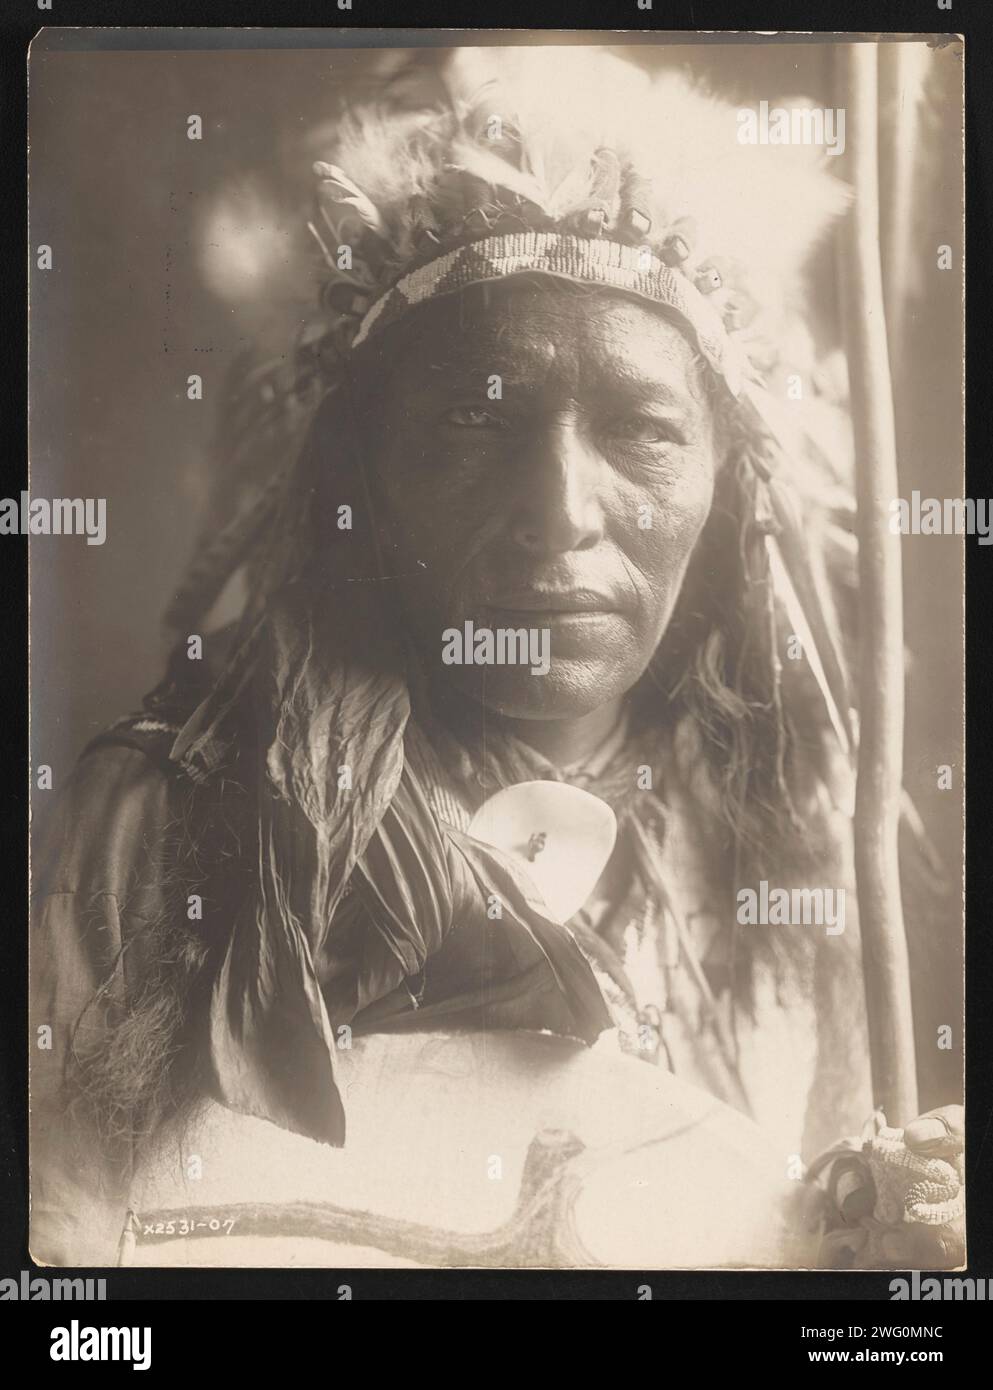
[[565, 498]]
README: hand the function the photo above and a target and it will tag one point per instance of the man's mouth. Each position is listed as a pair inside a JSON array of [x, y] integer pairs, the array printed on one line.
[[537, 603]]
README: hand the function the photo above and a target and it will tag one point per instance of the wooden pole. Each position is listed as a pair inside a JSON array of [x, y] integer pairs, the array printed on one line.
[[903, 68], [881, 672]]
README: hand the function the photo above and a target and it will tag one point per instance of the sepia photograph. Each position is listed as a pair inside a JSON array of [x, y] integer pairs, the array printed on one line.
[[497, 535]]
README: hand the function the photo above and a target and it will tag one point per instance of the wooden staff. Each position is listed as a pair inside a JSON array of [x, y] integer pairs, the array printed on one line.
[[881, 674], [905, 66]]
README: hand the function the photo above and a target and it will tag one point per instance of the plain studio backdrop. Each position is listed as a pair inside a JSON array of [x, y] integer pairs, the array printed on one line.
[[171, 255]]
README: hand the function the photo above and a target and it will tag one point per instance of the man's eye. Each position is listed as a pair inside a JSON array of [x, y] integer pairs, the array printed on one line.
[[644, 429], [473, 418]]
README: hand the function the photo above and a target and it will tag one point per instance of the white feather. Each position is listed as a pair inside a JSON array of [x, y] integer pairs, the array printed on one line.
[[497, 172], [341, 189]]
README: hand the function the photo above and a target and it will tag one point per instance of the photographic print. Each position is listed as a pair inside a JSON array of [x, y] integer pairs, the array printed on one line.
[[496, 539]]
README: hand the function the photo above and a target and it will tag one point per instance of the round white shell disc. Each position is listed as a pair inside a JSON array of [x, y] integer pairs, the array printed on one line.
[[578, 832]]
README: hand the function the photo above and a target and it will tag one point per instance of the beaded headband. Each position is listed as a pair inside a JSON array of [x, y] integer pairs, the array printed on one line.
[[630, 269]]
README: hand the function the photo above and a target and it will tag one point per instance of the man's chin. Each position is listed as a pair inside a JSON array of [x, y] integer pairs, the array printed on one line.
[[567, 690]]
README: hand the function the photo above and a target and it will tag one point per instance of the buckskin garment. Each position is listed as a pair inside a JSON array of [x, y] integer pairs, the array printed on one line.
[[207, 873]]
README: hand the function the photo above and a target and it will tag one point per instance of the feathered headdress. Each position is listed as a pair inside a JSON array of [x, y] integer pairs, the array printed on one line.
[[573, 162]]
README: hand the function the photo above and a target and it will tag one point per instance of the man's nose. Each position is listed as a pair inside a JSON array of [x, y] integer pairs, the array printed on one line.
[[559, 505]]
